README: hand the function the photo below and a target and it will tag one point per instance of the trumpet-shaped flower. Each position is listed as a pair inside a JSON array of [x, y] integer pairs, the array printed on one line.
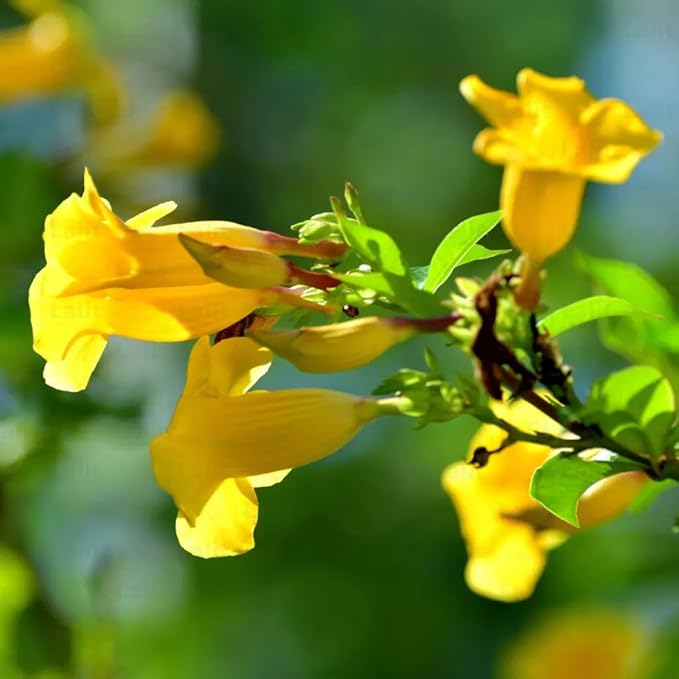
[[552, 138], [105, 277], [222, 442], [507, 532], [343, 346]]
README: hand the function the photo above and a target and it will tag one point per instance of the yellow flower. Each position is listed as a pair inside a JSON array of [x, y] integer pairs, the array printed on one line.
[[343, 346], [181, 134], [105, 277], [552, 138], [588, 644], [49, 54], [222, 442], [507, 532]]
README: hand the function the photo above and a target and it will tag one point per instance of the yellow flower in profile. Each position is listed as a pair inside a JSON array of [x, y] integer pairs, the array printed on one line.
[[104, 276], [507, 532], [588, 644], [50, 53], [552, 138], [223, 443]]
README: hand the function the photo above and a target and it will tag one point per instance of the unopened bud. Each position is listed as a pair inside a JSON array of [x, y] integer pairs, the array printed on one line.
[[238, 267], [343, 346]]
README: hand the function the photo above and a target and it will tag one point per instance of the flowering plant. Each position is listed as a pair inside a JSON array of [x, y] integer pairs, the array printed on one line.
[[545, 462]]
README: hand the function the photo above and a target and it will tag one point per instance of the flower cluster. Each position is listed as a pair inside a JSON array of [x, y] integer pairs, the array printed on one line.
[[132, 278]]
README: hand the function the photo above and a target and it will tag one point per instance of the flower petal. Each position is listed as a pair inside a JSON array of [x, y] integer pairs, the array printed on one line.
[[236, 364], [617, 139], [497, 147], [267, 480], [540, 209], [511, 570], [211, 439], [73, 371], [569, 94], [225, 525], [148, 218], [499, 108]]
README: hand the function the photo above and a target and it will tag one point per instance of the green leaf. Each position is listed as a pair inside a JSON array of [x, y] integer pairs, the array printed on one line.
[[630, 282], [650, 493], [478, 253], [375, 246], [397, 289], [560, 482], [584, 311], [453, 248], [634, 407]]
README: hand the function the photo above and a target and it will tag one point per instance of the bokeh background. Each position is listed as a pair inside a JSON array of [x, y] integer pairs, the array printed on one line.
[[256, 112]]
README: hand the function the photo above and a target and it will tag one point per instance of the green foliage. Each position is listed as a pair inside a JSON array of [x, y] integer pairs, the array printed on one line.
[[635, 407], [476, 253], [650, 493], [397, 289], [560, 482], [390, 275], [456, 245], [375, 246], [426, 396], [322, 226], [584, 311], [649, 338]]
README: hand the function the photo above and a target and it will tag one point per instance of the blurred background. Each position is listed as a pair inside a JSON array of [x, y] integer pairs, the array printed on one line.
[[256, 112]]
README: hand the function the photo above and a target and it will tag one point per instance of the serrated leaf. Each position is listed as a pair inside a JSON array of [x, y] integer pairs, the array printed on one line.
[[375, 246], [584, 311], [395, 288], [453, 248], [560, 482], [635, 407]]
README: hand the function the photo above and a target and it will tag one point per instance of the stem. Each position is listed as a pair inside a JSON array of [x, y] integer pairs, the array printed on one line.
[[435, 324], [587, 435]]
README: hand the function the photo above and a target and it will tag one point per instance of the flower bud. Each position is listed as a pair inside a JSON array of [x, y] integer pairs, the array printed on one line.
[[238, 267], [343, 346]]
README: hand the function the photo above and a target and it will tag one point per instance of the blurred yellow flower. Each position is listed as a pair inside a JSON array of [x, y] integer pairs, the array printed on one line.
[[222, 442], [588, 644], [104, 276], [182, 133], [552, 138], [51, 53], [506, 531]]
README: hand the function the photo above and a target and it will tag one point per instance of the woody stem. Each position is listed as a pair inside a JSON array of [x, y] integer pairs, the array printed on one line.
[[585, 432]]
